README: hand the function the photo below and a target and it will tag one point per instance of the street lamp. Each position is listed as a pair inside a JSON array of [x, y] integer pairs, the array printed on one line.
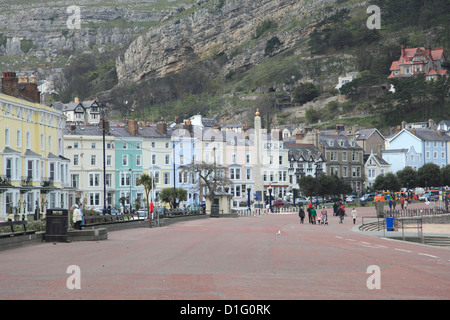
[[270, 197], [249, 188], [293, 195], [130, 190], [299, 174], [102, 113], [318, 170]]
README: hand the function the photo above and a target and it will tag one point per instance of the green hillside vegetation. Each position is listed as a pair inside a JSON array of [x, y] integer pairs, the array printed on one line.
[[343, 34]]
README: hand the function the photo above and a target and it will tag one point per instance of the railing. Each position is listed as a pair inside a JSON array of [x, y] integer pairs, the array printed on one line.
[[399, 224], [245, 212], [436, 210]]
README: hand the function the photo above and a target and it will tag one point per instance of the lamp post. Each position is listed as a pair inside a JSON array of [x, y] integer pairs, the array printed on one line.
[[293, 195], [318, 170], [102, 112], [270, 198], [130, 190], [248, 197], [299, 174]]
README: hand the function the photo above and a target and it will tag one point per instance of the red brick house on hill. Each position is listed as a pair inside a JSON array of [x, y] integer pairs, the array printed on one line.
[[414, 61]]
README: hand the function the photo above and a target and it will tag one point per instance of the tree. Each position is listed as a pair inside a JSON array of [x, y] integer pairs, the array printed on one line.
[[305, 92], [408, 177], [388, 181], [211, 177], [148, 184], [307, 186], [429, 175], [169, 195], [445, 171]]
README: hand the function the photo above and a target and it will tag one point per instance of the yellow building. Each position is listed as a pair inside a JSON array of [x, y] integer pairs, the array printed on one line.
[[34, 175]]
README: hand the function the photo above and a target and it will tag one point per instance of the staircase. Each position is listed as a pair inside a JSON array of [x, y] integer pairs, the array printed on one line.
[[440, 241]]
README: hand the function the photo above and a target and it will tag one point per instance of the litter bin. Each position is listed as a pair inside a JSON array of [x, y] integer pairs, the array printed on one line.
[[214, 211], [56, 224], [390, 223]]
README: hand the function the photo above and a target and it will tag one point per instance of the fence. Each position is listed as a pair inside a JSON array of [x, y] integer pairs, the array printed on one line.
[[256, 212], [431, 211]]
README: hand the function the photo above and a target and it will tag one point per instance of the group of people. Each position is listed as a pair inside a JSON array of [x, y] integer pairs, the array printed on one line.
[[78, 216], [322, 216]]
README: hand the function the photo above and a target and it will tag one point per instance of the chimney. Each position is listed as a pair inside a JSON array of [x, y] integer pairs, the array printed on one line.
[[161, 126], [10, 84], [29, 89], [187, 126], [76, 100], [402, 51], [133, 127]]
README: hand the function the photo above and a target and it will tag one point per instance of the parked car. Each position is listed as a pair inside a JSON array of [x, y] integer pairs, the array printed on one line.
[[368, 197], [142, 213], [280, 203], [301, 201], [431, 197], [350, 199], [333, 199]]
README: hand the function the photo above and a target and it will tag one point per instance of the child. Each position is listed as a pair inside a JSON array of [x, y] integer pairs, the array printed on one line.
[[354, 215]]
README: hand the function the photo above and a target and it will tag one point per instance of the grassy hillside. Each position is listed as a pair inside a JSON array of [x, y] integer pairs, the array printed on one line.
[[337, 44]]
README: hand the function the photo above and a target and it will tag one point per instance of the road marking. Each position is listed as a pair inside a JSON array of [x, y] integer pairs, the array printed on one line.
[[403, 250], [426, 254]]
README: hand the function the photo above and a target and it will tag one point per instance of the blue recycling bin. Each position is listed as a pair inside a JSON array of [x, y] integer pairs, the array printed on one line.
[[390, 223]]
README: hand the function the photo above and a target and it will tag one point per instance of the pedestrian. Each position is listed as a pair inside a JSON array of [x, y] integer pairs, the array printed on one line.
[[402, 203], [340, 213], [324, 215], [313, 215], [301, 214], [335, 207], [309, 213], [354, 215], [390, 205], [82, 215], [77, 217]]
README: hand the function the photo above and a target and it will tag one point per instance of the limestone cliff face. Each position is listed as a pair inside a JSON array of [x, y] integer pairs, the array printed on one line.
[[212, 30], [39, 29]]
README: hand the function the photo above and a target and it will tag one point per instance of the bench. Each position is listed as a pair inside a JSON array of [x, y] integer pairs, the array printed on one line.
[[13, 233], [108, 218]]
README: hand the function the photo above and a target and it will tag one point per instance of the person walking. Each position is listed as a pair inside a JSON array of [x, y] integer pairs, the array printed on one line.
[[82, 216], [77, 217], [324, 215], [340, 213], [354, 215], [313, 215], [309, 213], [301, 214]]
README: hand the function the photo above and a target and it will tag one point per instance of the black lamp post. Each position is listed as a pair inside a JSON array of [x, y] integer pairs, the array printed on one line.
[[318, 170], [102, 112], [270, 198], [248, 198]]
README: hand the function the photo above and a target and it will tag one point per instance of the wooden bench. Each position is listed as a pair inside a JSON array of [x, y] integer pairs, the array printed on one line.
[[12, 224]]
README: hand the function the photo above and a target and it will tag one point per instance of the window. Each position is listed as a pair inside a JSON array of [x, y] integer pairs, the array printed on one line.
[[428, 154], [93, 145], [235, 173], [50, 144], [94, 179], [29, 169], [153, 158], [125, 160], [7, 137], [93, 160], [75, 180], [280, 159], [166, 177], [108, 178], [125, 179], [249, 173], [167, 159], [109, 160], [247, 158], [138, 160], [76, 160], [52, 171], [435, 155], [42, 142], [94, 198], [28, 140], [75, 145], [19, 139], [125, 145]]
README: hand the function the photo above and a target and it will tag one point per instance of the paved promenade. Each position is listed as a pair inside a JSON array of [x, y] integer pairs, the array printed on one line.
[[231, 258]]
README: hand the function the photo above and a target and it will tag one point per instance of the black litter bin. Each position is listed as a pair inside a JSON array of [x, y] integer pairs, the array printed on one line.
[[214, 211], [57, 222]]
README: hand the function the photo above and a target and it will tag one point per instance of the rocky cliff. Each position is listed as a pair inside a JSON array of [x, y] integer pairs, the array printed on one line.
[[240, 30], [40, 29]]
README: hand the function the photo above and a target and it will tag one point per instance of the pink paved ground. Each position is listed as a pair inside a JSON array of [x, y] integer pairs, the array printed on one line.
[[230, 258]]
